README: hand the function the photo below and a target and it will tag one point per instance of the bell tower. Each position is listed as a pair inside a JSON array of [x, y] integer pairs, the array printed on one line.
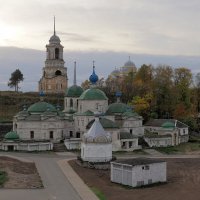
[[54, 78]]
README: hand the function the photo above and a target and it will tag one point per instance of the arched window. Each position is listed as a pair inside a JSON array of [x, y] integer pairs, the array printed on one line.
[[56, 53], [71, 102], [58, 73]]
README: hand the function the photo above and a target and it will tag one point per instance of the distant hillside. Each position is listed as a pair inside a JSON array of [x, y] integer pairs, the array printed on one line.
[[11, 102]]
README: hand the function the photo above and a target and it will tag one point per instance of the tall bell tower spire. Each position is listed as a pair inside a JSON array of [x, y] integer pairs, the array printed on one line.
[[54, 26], [75, 73], [54, 78]]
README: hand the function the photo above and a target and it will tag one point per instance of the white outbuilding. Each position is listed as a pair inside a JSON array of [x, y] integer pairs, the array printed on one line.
[[138, 172], [96, 144]]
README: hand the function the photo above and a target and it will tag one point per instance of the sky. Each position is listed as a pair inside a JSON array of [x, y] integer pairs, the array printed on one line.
[[92, 27]]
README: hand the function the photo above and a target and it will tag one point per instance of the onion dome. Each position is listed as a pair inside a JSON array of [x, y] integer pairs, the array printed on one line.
[[118, 108], [12, 135], [93, 94], [54, 39], [118, 94], [41, 94], [116, 72], [93, 77], [97, 134], [129, 64], [40, 107], [74, 91]]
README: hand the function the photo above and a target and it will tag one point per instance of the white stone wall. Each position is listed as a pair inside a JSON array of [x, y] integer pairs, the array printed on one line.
[[134, 125], [93, 105], [22, 146], [138, 175], [158, 142], [67, 105], [73, 143], [127, 147], [96, 152], [81, 123], [41, 129], [183, 131]]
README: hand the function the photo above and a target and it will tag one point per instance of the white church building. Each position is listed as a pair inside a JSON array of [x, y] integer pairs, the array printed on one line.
[[43, 123]]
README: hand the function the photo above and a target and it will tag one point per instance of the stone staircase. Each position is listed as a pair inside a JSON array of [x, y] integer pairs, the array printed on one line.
[[59, 147]]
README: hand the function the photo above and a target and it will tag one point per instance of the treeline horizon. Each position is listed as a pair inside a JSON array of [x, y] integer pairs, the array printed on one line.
[[158, 92]]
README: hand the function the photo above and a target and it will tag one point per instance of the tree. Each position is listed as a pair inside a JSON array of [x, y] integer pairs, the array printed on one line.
[[183, 81], [197, 91], [85, 85], [163, 90], [15, 79]]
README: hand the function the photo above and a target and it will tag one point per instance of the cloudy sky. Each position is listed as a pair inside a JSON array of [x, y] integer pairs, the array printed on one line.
[[130, 27]]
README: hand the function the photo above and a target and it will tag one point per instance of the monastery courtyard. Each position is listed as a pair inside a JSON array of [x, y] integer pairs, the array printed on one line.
[[57, 186]]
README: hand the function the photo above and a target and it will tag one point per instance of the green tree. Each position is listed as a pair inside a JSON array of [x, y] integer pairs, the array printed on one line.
[[163, 90], [183, 81], [85, 85], [197, 91], [15, 79]]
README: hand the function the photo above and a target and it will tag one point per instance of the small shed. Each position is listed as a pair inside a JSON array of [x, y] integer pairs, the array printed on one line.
[[138, 172]]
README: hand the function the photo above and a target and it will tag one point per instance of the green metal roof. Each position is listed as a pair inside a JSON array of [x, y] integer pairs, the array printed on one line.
[[130, 114], [12, 135], [93, 94], [118, 108], [106, 123], [168, 124], [41, 106], [74, 91], [86, 113], [70, 111]]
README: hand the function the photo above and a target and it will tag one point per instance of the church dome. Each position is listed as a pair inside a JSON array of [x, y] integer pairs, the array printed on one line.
[[117, 108], [129, 63], [74, 91], [115, 72], [97, 134], [93, 94], [54, 39], [93, 77], [40, 107], [12, 135]]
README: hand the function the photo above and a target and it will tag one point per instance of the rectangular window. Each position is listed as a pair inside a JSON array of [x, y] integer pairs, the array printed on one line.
[[140, 183], [130, 144], [32, 134], [71, 133], [51, 134], [146, 167]]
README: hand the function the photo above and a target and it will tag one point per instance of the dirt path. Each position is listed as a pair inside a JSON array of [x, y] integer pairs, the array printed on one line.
[[20, 174], [183, 182]]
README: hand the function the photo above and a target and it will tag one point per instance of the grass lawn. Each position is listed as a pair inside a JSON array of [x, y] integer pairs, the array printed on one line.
[[98, 193], [182, 148], [3, 178]]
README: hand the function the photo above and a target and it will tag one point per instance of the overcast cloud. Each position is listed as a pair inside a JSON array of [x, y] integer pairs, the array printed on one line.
[[151, 31], [136, 26]]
